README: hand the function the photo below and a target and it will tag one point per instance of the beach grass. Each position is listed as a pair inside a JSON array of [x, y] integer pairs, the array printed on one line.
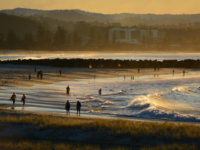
[[114, 126], [27, 145]]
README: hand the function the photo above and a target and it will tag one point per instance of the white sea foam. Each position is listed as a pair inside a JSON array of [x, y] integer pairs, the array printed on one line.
[[153, 112], [115, 93], [89, 98], [140, 102]]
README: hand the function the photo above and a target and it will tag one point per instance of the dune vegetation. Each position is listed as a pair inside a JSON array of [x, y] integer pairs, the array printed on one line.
[[27, 145], [137, 129]]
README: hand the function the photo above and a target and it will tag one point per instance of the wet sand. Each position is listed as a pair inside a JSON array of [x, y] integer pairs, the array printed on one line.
[[17, 75]]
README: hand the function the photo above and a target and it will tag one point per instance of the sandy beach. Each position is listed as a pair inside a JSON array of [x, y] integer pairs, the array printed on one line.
[[17, 75], [15, 78]]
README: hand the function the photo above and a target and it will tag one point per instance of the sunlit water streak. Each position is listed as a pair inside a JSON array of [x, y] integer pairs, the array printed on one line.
[[164, 97], [97, 55]]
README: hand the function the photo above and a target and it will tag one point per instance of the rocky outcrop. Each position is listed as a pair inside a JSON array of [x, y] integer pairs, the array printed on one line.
[[107, 63]]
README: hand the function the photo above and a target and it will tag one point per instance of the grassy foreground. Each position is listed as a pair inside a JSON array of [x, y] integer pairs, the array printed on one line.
[[26, 145], [114, 126]]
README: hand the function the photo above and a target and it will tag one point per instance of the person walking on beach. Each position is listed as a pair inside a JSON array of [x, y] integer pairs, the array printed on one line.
[[41, 74], [23, 99], [68, 89], [60, 72], [155, 69], [67, 107], [78, 107], [13, 97], [138, 70], [99, 91], [38, 75], [183, 72], [29, 75], [173, 72]]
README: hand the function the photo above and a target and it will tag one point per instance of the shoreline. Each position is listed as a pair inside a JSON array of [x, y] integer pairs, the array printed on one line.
[[43, 127], [17, 75], [77, 74], [33, 126]]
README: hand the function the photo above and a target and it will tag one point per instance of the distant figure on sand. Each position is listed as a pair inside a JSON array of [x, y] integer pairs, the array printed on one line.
[[78, 107], [13, 97], [60, 72], [99, 91], [38, 74], [173, 72], [67, 107], [23, 99], [138, 70], [183, 72], [154, 68], [29, 75], [68, 89], [41, 74]]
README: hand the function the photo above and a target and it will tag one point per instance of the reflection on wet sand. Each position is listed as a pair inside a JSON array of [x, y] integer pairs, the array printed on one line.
[[144, 97]]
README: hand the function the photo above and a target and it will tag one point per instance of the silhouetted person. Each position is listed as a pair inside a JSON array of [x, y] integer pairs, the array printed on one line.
[[29, 75], [41, 74], [23, 99], [78, 107], [60, 72], [138, 70], [68, 89], [183, 72], [38, 74], [173, 72], [13, 97], [155, 69], [99, 91], [67, 107]]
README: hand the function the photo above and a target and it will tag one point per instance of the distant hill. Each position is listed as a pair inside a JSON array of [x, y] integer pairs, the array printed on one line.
[[68, 15], [189, 17], [125, 19], [24, 11], [19, 25]]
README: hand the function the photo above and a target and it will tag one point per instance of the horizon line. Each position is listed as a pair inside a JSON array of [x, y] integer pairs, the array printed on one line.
[[100, 12]]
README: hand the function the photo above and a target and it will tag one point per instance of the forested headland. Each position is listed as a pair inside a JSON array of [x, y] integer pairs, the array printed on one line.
[[45, 33]]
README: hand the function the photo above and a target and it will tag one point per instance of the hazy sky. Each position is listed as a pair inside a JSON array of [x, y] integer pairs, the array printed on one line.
[[110, 6]]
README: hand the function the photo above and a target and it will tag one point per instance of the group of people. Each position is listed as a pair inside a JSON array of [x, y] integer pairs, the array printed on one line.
[[40, 74], [67, 105], [78, 107], [13, 97]]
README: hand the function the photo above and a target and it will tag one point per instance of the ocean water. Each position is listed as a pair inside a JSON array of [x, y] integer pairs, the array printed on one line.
[[163, 97], [98, 55]]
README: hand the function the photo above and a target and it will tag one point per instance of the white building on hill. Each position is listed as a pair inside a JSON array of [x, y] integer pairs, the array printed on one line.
[[132, 35]]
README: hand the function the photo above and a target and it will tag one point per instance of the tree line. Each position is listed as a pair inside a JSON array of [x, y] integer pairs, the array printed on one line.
[[89, 36]]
